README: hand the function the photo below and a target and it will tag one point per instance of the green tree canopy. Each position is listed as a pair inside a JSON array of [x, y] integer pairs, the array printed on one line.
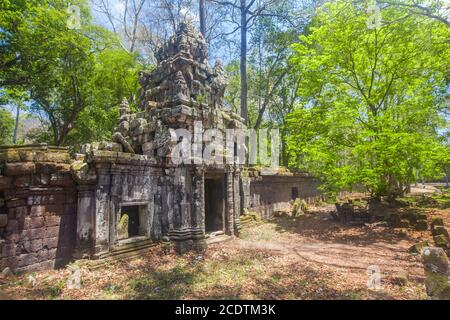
[[372, 99], [75, 76], [6, 126]]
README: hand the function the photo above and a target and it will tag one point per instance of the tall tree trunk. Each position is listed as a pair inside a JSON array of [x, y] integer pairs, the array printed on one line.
[[16, 127], [244, 86], [202, 8]]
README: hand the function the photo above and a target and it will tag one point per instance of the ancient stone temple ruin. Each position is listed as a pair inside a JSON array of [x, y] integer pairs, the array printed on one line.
[[129, 193], [136, 175]]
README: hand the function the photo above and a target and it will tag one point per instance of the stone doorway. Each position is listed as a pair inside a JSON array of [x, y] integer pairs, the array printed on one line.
[[215, 205]]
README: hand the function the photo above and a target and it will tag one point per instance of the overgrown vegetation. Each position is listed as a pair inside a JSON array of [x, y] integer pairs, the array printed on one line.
[[372, 100]]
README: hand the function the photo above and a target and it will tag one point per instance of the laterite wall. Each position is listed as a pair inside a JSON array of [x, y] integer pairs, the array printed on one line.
[[38, 208]]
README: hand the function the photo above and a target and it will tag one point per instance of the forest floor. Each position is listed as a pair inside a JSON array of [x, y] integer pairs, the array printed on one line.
[[310, 257]]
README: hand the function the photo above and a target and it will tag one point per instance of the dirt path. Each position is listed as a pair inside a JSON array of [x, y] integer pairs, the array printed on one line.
[[340, 250], [306, 258]]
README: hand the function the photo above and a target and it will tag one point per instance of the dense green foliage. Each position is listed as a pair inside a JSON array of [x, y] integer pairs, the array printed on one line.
[[75, 76], [371, 99], [6, 126]]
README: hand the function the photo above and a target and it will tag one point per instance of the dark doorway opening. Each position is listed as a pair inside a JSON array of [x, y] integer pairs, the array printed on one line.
[[214, 205], [133, 220], [294, 193]]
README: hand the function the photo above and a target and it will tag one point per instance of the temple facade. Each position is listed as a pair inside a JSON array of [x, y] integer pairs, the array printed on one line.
[[150, 183], [140, 174]]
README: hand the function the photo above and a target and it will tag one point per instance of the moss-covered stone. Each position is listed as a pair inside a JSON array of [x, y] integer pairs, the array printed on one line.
[[418, 247], [26, 155], [437, 221], [441, 241], [422, 216], [436, 272], [440, 230], [400, 279], [421, 225], [404, 224], [402, 233], [9, 156]]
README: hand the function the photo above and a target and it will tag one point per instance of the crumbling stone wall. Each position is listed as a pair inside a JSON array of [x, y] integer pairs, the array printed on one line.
[[37, 207], [269, 192]]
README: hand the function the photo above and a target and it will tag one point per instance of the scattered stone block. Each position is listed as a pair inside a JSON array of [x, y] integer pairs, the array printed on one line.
[[441, 241], [421, 225], [418, 247], [403, 233], [394, 220], [422, 216], [404, 224], [400, 279], [437, 221], [436, 267], [440, 230]]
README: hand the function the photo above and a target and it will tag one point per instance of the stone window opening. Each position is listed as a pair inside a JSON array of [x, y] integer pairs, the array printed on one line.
[[130, 223]]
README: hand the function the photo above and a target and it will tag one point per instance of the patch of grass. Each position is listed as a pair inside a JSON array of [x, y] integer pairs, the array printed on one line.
[[51, 290]]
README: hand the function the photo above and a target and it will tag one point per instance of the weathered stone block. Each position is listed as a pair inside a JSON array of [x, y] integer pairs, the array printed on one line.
[[52, 221], [22, 181], [440, 230], [31, 246], [5, 183], [62, 157], [8, 250], [3, 220], [26, 155], [394, 220], [12, 227], [441, 241], [418, 247], [421, 225], [32, 234], [14, 203], [55, 209], [51, 243], [52, 232], [436, 272], [34, 222], [422, 216], [404, 223], [437, 221], [9, 156], [20, 168], [61, 179], [37, 210], [27, 259], [52, 167]]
